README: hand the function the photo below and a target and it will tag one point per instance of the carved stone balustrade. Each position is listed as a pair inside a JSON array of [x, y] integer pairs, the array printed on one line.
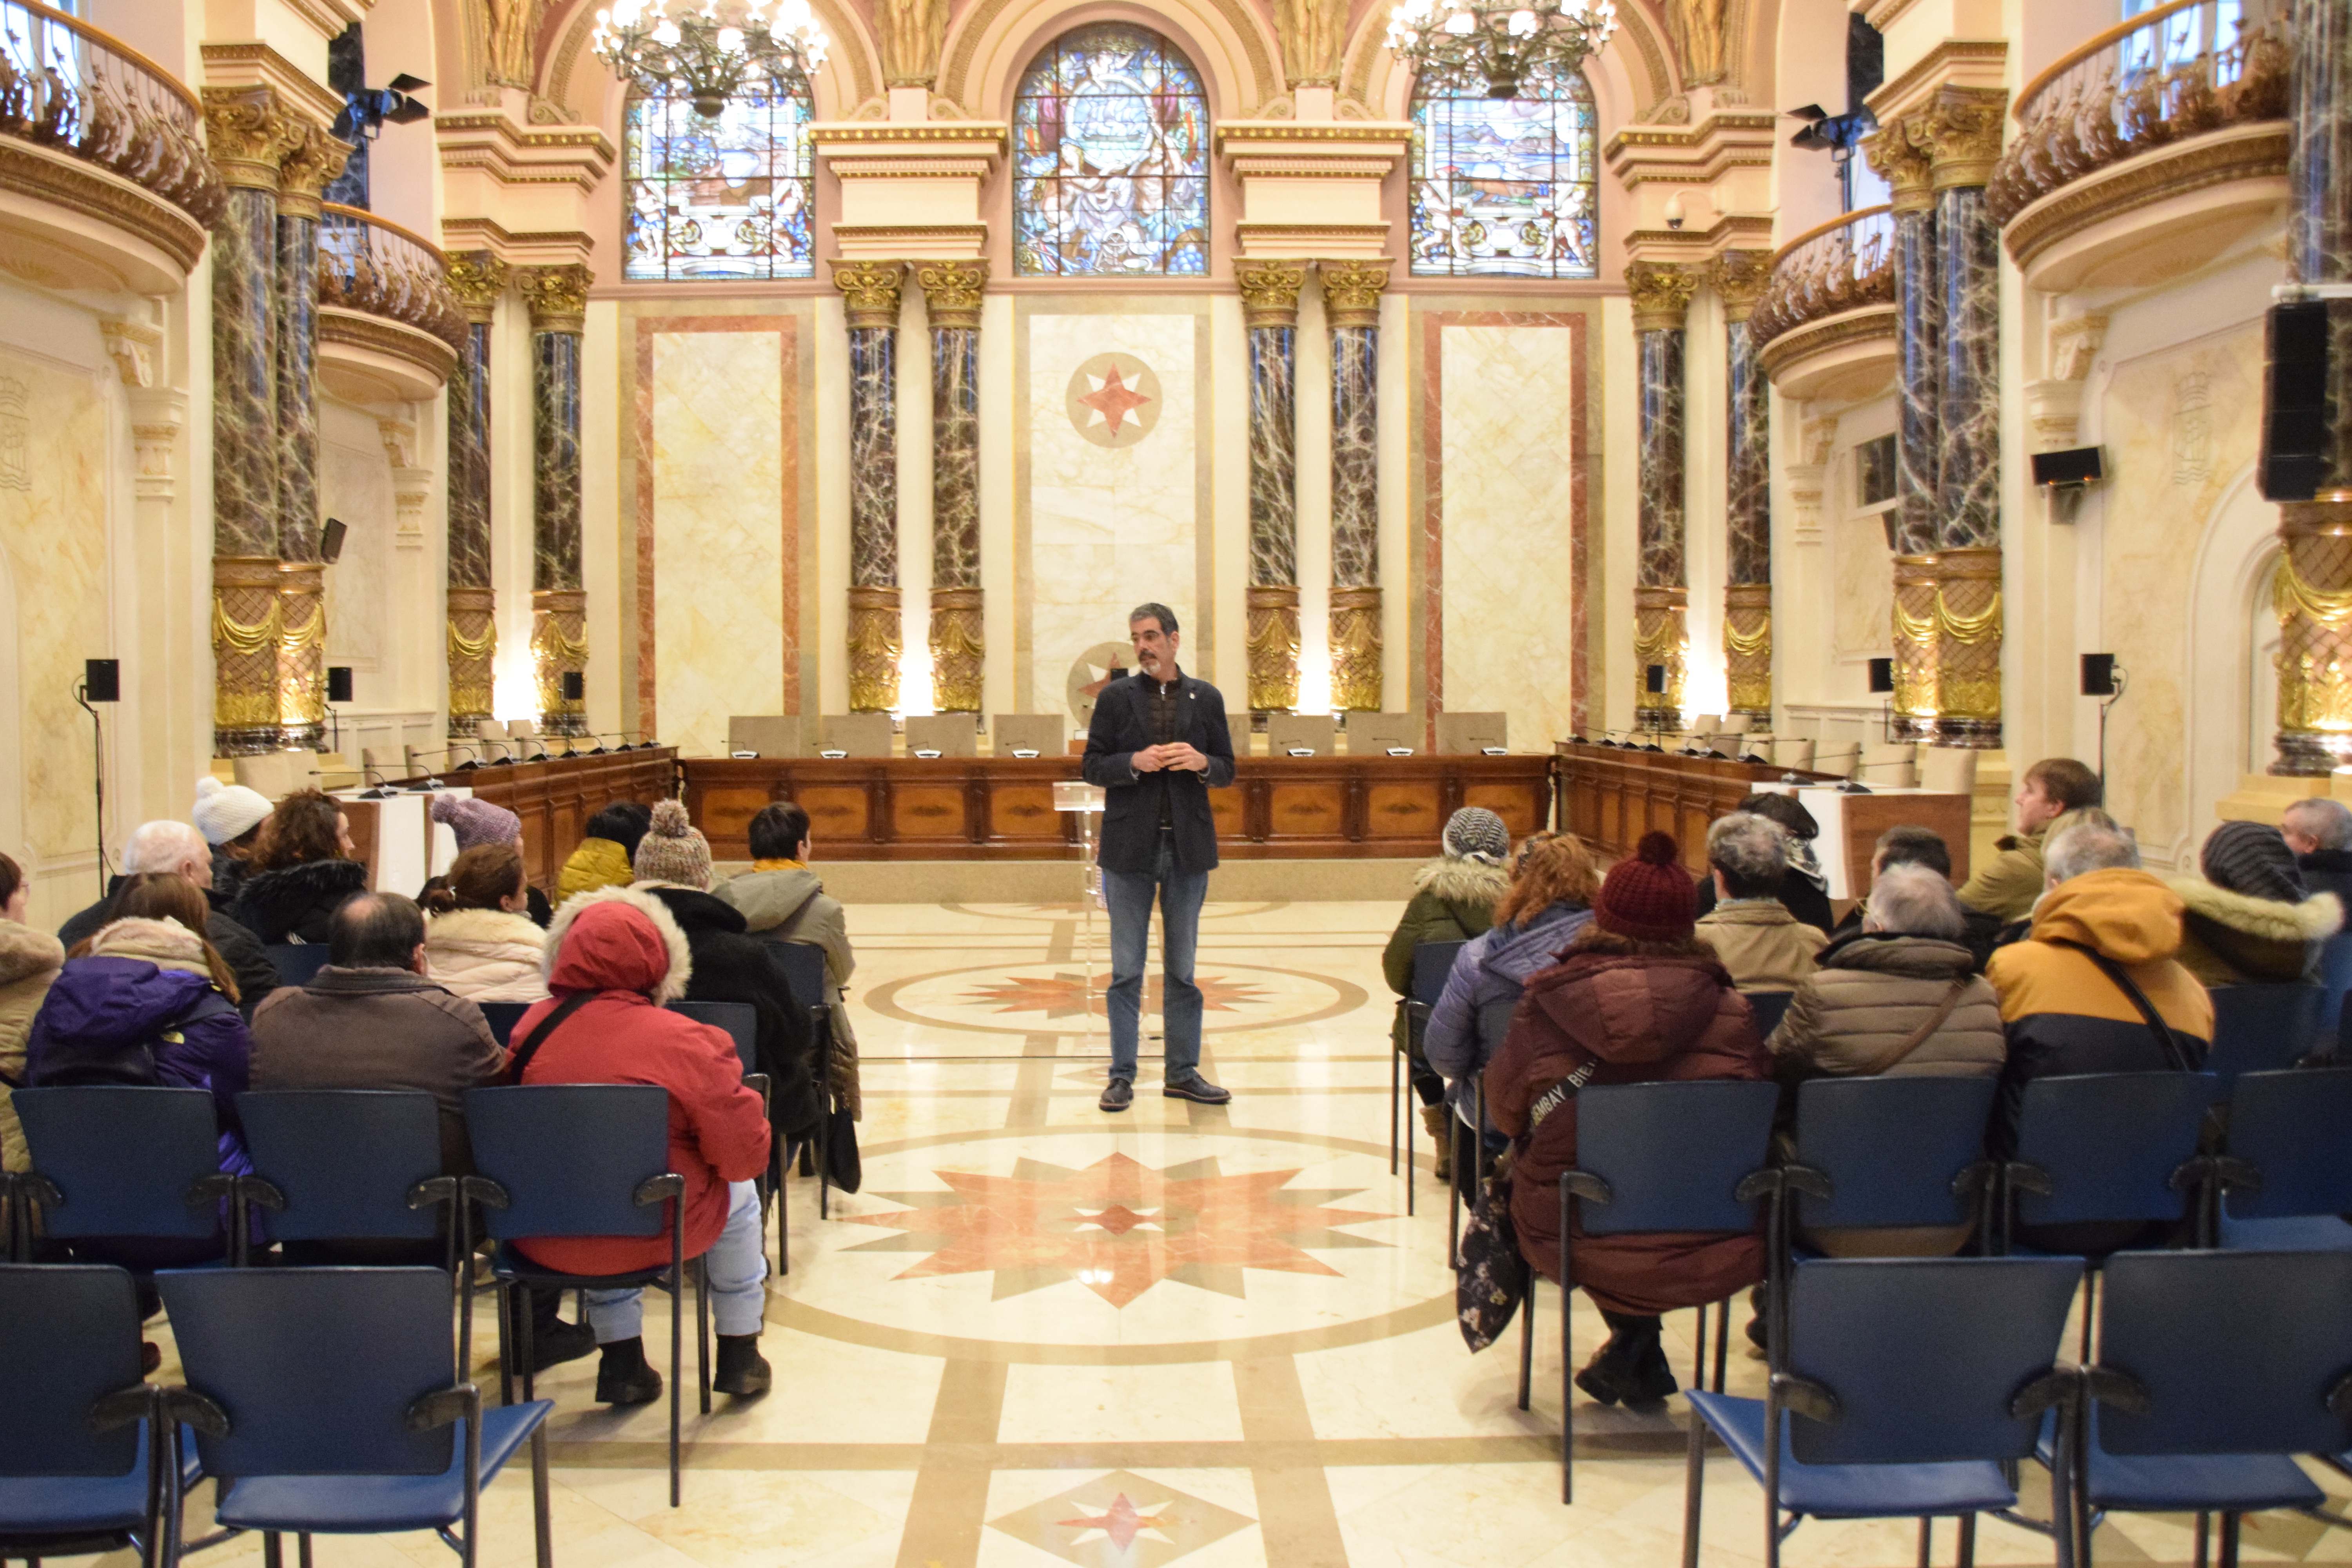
[[1824, 328], [390, 328]]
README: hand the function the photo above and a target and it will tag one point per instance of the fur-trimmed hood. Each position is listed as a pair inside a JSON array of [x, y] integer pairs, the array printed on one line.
[[165, 944], [637, 947], [25, 952], [485, 933], [2315, 919], [1462, 881]]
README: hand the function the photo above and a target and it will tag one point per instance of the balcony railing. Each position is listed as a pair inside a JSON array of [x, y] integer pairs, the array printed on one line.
[[2178, 70], [1841, 266], [369, 265], [66, 85]]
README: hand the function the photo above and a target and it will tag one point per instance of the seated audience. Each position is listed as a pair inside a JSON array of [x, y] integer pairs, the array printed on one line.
[[1804, 890], [479, 944], [782, 900], [302, 871], [2319, 830], [1897, 997], [29, 961], [622, 949], [177, 850], [1899, 846], [478, 822], [230, 818], [1453, 900], [674, 867], [1634, 999], [605, 857], [2251, 919], [2005, 886], [2064, 997], [1553, 882], [1749, 931]]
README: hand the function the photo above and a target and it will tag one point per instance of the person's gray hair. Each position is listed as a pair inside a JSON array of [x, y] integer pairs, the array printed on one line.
[[1912, 900], [2089, 846], [2323, 820], [1150, 612], [165, 845], [1750, 850]]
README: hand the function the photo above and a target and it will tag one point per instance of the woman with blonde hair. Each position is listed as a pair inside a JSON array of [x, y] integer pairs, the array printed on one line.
[[479, 944]]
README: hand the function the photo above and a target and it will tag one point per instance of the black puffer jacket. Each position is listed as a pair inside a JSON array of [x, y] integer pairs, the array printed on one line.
[[295, 903], [730, 966]]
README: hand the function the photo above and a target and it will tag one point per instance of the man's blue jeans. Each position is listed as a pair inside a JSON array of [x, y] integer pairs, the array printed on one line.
[[1129, 895]]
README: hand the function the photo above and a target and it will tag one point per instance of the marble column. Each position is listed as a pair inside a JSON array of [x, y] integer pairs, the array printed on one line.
[[2314, 597], [248, 135], [1662, 295], [1738, 278], [1899, 152], [1351, 307], [303, 574], [558, 297], [951, 294], [869, 291], [1269, 292], [477, 279], [1963, 130]]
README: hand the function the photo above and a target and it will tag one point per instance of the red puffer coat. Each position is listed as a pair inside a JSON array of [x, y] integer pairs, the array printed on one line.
[[1629, 1018], [624, 945]]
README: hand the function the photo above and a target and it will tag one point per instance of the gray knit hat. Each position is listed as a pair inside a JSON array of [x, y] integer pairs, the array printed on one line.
[[2253, 858], [1474, 833], [672, 850]]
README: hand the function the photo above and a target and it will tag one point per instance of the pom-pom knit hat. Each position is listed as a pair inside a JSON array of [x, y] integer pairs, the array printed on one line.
[[227, 811], [672, 850], [1650, 897]]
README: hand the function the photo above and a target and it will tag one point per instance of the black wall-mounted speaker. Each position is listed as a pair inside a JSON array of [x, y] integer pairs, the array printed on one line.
[[2075, 466], [1653, 678], [102, 679], [330, 541], [576, 686], [338, 683], [1882, 675], [2098, 675], [2294, 401]]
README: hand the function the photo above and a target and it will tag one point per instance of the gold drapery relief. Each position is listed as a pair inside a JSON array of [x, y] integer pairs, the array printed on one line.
[[1273, 645], [1356, 650], [473, 654], [1747, 647], [958, 645], [244, 628], [1661, 636], [1313, 34], [559, 646], [2312, 597], [875, 645]]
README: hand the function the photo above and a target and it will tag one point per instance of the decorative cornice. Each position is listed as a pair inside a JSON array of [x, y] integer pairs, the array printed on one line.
[[517, 247], [1351, 292], [492, 145], [133, 346], [1270, 291], [558, 296], [952, 291], [1964, 128], [307, 169], [477, 278], [1375, 132], [2255, 151], [1662, 294], [911, 168], [248, 135], [1313, 167], [59, 178], [870, 290], [1966, 62], [846, 132], [379, 334], [232, 66], [1737, 277]]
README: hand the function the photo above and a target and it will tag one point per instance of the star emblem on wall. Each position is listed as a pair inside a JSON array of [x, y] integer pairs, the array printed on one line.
[[1065, 995], [1117, 1226], [1122, 1521], [1113, 400]]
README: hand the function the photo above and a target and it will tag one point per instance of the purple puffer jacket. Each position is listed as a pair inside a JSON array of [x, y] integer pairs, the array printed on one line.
[[1492, 968], [101, 1011]]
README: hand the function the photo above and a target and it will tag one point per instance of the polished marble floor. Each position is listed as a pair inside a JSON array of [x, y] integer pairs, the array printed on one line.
[[1211, 1336]]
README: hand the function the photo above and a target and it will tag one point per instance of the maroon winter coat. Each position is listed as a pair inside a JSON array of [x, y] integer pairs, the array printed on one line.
[[1634, 1019]]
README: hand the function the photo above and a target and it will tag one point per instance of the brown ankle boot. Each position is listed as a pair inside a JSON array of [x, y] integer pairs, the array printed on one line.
[[1440, 1122]]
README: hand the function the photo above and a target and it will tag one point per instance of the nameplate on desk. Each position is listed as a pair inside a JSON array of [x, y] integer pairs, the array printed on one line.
[[1301, 751], [745, 756], [1023, 751], [928, 754], [833, 754], [1495, 751], [1400, 751]]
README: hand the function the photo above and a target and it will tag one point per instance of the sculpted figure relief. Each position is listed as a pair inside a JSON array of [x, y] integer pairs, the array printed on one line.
[[1696, 29], [1313, 33], [912, 34], [512, 24]]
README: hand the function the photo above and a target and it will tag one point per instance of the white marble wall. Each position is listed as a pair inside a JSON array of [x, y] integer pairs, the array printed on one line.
[[1508, 472]]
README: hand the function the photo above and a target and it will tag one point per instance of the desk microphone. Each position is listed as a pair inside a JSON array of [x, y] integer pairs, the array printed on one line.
[[380, 790]]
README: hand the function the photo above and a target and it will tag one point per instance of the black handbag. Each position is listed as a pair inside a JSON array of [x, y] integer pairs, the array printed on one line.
[[841, 1161], [1493, 1279]]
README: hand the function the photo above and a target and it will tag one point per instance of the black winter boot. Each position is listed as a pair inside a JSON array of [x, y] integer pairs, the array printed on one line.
[[1631, 1367], [554, 1342], [623, 1377], [742, 1371]]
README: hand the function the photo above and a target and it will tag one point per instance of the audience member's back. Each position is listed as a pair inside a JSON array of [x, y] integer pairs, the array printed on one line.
[[2252, 918], [1751, 931]]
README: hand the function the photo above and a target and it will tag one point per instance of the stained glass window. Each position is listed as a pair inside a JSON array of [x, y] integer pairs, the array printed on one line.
[[719, 198], [1111, 136], [1505, 186]]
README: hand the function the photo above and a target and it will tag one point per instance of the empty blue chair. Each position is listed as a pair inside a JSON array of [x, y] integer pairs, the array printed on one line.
[[502, 1017], [297, 962], [1890, 1152], [1770, 1007], [559, 1159], [2288, 1173], [1908, 1385], [323, 1400], [739, 1020], [1431, 963], [80, 1460], [2213, 1368], [1653, 1157], [2104, 1155], [136, 1163], [2262, 1028]]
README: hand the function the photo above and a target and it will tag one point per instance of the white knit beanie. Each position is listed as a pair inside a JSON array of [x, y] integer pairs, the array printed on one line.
[[226, 811]]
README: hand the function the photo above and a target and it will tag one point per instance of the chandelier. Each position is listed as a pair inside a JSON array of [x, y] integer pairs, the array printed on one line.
[[709, 55], [1502, 41]]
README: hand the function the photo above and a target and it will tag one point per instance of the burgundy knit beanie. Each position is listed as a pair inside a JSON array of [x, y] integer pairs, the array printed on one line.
[[1649, 897]]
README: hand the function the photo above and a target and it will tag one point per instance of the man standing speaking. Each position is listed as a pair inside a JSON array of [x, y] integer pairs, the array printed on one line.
[[1156, 746]]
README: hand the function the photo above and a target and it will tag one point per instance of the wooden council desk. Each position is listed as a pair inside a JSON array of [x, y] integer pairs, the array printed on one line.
[[555, 798], [1001, 808]]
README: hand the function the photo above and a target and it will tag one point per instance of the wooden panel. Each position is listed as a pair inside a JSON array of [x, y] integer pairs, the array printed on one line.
[[728, 812], [926, 811], [1406, 809], [1024, 811], [360, 820], [1229, 807], [555, 798], [1868, 815], [1522, 810], [837, 819], [1308, 809]]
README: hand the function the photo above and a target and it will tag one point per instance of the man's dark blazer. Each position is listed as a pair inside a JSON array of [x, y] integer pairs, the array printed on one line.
[[1121, 726]]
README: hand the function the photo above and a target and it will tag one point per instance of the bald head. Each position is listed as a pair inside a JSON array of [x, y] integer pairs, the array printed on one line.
[[173, 848]]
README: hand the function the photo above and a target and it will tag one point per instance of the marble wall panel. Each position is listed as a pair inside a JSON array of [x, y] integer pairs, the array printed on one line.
[[1863, 615], [715, 496], [1108, 526], [355, 485], [1508, 492]]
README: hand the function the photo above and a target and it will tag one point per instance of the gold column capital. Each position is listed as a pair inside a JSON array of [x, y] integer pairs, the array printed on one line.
[[1351, 292], [1963, 127], [1900, 153], [1737, 277], [307, 169], [1270, 291], [870, 290], [558, 296], [1662, 294], [477, 278], [952, 290], [248, 135]]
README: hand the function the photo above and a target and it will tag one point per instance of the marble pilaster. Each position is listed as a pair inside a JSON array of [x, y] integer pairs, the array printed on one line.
[[1738, 278], [870, 300], [1662, 294], [1270, 308], [952, 293], [302, 614], [477, 279], [1352, 305], [558, 297]]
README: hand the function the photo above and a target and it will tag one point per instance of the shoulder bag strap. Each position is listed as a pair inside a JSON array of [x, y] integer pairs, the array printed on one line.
[[2164, 1038], [1920, 1036], [547, 1025]]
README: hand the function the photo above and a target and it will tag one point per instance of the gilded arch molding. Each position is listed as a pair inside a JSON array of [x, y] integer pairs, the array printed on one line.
[[988, 46]]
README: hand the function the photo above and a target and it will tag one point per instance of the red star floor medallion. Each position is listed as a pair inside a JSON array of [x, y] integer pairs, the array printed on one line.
[[1118, 1227], [1115, 400], [1122, 1521], [1057, 996]]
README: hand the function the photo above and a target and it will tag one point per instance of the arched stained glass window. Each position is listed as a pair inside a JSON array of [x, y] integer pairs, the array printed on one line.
[[726, 198], [1506, 186], [1110, 135]]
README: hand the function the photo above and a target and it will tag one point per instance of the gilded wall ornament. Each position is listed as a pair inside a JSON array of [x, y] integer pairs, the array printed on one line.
[[1662, 294], [1897, 153], [874, 642], [558, 296], [958, 650], [1351, 292], [248, 135], [1313, 35], [1737, 277], [306, 170], [1697, 29], [477, 278], [869, 291], [1270, 291], [952, 291], [1355, 650], [910, 33], [1272, 643], [1963, 127]]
